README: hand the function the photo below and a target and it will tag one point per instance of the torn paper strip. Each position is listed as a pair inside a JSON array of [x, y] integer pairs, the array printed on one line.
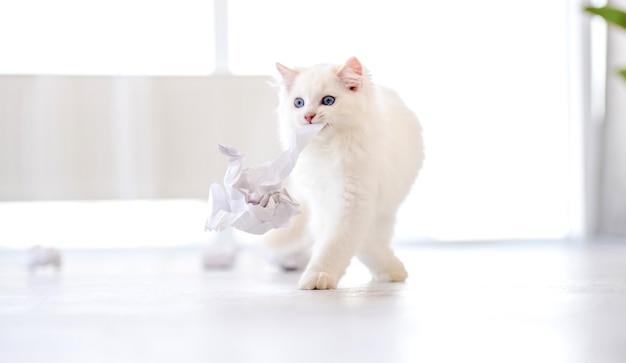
[[253, 199]]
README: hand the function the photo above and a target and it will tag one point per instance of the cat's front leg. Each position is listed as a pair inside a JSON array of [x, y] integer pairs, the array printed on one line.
[[336, 247], [327, 265]]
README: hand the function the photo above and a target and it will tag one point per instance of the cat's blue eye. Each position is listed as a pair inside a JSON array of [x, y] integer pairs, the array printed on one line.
[[298, 102], [328, 100]]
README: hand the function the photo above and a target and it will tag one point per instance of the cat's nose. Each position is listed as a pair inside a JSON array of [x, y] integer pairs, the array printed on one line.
[[309, 117]]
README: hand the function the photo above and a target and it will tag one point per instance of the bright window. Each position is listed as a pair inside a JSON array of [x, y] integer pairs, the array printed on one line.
[[106, 37]]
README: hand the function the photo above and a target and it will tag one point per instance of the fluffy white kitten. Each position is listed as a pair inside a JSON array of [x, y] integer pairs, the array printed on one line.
[[352, 177]]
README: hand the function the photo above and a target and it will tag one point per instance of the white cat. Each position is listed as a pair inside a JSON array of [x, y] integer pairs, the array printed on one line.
[[352, 177]]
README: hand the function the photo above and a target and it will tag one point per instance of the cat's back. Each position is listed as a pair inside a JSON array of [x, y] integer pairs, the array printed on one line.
[[402, 145], [393, 105], [400, 122]]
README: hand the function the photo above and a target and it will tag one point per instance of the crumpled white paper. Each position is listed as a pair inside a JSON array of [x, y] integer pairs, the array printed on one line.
[[253, 199], [43, 256]]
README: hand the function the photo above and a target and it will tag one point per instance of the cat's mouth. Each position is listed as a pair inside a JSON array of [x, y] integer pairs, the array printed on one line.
[[326, 125], [316, 123]]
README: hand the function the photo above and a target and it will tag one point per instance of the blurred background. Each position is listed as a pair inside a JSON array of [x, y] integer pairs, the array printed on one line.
[[110, 112]]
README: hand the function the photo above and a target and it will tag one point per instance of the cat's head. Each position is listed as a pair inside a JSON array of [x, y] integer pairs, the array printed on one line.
[[326, 93]]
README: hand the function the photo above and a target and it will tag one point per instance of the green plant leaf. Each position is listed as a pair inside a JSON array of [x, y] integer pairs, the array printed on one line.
[[623, 73], [610, 14]]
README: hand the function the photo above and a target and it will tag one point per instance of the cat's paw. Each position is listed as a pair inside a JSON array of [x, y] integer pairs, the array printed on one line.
[[396, 273], [317, 280]]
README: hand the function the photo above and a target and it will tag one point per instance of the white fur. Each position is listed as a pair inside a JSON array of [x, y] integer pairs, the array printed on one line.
[[353, 176]]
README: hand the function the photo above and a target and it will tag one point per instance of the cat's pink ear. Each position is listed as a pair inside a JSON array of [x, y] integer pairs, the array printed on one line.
[[289, 75], [351, 74]]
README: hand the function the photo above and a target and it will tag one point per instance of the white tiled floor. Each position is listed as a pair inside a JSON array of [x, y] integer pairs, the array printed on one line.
[[477, 302]]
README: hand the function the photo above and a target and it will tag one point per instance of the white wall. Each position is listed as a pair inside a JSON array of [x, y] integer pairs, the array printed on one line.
[[612, 216], [70, 137]]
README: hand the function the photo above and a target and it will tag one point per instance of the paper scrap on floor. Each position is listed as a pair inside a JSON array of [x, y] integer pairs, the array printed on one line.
[[253, 200]]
